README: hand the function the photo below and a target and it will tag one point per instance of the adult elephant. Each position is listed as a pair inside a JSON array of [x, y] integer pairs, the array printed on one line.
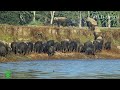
[[22, 48], [3, 49], [51, 50], [50, 43], [98, 45], [60, 21], [88, 48], [14, 46], [107, 45], [65, 46], [38, 47], [72, 46], [97, 33], [90, 26], [30, 47], [91, 23], [57, 46]]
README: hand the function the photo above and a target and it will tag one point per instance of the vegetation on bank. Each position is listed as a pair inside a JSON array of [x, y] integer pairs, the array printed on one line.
[[43, 17]]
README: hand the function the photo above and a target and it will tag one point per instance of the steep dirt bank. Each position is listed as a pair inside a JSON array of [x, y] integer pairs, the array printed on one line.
[[11, 33]]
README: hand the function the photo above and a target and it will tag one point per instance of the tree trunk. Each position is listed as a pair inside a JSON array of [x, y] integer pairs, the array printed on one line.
[[52, 16], [88, 13], [80, 19], [34, 13], [118, 20], [108, 21]]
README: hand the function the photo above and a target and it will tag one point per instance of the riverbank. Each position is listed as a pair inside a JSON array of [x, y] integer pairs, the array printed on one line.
[[10, 33], [105, 54]]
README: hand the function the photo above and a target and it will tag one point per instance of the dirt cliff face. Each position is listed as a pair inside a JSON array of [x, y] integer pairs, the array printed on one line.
[[11, 33], [33, 33]]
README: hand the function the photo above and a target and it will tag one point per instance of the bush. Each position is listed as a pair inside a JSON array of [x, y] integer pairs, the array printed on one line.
[[8, 17], [35, 23], [99, 23]]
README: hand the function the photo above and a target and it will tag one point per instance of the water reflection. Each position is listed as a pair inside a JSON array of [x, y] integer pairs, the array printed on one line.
[[62, 69]]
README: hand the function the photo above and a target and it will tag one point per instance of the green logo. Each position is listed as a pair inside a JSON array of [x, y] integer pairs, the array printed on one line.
[[8, 74]]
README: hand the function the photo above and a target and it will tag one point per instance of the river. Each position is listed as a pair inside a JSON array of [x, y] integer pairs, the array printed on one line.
[[62, 69]]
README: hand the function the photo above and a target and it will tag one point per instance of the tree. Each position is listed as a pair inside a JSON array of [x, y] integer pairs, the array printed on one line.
[[79, 19], [88, 13], [99, 23], [118, 18], [108, 20], [52, 16], [25, 17], [34, 13]]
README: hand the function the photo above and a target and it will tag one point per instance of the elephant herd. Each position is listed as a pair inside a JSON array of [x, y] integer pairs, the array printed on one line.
[[50, 47]]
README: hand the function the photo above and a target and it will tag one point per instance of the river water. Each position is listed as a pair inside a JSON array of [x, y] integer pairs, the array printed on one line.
[[62, 69]]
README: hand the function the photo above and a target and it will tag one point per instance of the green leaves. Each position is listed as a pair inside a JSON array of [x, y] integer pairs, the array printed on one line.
[[26, 17]]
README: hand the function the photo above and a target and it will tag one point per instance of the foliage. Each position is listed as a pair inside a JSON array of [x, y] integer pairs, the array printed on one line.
[[35, 23], [9, 17], [43, 17]]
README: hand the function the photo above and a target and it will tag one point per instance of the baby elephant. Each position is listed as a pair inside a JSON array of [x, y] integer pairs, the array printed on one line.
[[51, 51], [107, 45]]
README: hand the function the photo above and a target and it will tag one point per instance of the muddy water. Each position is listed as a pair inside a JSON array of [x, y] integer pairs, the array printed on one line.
[[62, 69]]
